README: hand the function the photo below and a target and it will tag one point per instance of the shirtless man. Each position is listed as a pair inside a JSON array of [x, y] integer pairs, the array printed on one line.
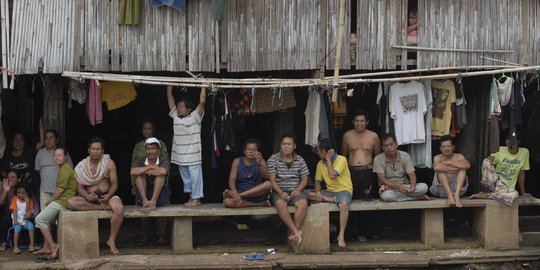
[[97, 182], [450, 179], [360, 145]]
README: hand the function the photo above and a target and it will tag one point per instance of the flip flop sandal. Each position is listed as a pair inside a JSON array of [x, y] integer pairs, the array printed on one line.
[[249, 257], [40, 258], [259, 257]]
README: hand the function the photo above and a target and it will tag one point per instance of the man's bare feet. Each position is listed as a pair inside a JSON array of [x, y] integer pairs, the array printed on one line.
[[479, 195], [450, 201], [298, 237], [341, 241], [42, 252], [227, 194], [54, 252], [188, 203], [112, 246], [193, 203], [148, 208], [423, 198], [266, 203], [458, 201]]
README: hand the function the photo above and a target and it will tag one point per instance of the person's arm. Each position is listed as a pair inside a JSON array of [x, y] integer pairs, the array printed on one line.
[[5, 190], [386, 182], [332, 173], [232, 179], [41, 142], [344, 148], [412, 181], [521, 182], [412, 27], [263, 169], [202, 101], [57, 193], [170, 97], [460, 162], [440, 167], [136, 171], [156, 171], [317, 188], [301, 186], [376, 146], [276, 188], [113, 179]]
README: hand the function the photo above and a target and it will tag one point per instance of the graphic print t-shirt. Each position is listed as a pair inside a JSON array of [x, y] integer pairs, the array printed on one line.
[[407, 107], [509, 165], [444, 94]]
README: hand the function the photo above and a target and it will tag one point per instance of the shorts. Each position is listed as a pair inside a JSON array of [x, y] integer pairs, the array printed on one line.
[[363, 178], [341, 197], [28, 226], [274, 197], [437, 189]]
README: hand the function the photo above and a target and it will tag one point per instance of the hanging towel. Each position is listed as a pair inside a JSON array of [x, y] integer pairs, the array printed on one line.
[[93, 104], [313, 113], [129, 12], [176, 4], [505, 90], [117, 94]]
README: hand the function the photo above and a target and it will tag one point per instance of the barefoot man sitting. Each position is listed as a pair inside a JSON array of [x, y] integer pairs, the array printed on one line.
[[97, 183], [334, 171], [247, 180], [450, 179]]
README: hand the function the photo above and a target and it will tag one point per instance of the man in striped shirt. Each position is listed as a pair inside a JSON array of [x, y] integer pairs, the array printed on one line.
[[186, 146], [288, 174]]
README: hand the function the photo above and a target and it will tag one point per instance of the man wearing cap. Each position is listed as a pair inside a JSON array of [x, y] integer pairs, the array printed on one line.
[[151, 174], [97, 183]]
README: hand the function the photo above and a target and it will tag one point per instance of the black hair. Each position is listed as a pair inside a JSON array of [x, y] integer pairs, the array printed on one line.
[[325, 144], [62, 148], [386, 136], [252, 141], [445, 138], [53, 131], [96, 139], [24, 186], [13, 171], [189, 104], [361, 113], [288, 135]]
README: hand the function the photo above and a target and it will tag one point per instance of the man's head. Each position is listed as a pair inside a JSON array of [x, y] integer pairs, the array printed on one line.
[[389, 144], [18, 141], [360, 120], [513, 145], [251, 146], [288, 144], [147, 129], [96, 146], [59, 155], [22, 189], [184, 107], [446, 145], [323, 147], [51, 138], [151, 147]]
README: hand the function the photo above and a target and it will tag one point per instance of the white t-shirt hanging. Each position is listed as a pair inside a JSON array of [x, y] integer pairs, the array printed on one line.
[[407, 107]]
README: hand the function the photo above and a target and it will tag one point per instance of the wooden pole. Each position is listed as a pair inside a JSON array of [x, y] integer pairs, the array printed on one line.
[[411, 71], [341, 29], [415, 48]]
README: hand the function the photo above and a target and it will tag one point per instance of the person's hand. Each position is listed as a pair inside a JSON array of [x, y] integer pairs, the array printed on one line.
[[403, 190], [294, 193], [330, 154], [5, 185], [318, 196], [236, 197], [411, 188], [258, 157], [285, 196], [25, 198], [382, 189], [28, 215], [104, 198], [91, 197]]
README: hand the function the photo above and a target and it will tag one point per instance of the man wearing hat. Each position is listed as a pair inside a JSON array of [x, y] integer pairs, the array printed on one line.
[[151, 177]]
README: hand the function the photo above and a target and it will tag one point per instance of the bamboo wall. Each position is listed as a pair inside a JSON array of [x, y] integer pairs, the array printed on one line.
[[266, 35]]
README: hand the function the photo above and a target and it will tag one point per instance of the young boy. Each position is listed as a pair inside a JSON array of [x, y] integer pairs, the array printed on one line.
[[21, 212]]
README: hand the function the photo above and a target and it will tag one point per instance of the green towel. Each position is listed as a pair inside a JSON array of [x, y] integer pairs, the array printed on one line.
[[130, 12]]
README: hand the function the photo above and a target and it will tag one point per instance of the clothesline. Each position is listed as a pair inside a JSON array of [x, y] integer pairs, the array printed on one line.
[[277, 83]]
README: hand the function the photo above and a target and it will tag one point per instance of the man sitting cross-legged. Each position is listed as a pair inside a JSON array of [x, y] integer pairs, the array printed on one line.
[[97, 183], [247, 180], [334, 171]]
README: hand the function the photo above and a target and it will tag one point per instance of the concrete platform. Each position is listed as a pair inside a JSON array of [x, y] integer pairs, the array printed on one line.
[[528, 258]]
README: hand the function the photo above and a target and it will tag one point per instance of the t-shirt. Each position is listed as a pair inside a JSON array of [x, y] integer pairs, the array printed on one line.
[[287, 177], [19, 207], [342, 181], [186, 145], [22, 164], [48, 170], [444, 94], [508, 165], [66, 180], [396, 173], [407, 106], [161, 162]]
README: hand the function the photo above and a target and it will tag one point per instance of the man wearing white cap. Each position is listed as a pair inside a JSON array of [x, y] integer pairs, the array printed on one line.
[[151, 177]]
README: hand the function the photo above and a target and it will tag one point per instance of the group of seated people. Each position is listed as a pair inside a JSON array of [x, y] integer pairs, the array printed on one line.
[[280, 181]]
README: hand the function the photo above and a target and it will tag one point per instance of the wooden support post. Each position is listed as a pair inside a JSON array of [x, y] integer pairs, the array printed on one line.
[[337, 64]]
